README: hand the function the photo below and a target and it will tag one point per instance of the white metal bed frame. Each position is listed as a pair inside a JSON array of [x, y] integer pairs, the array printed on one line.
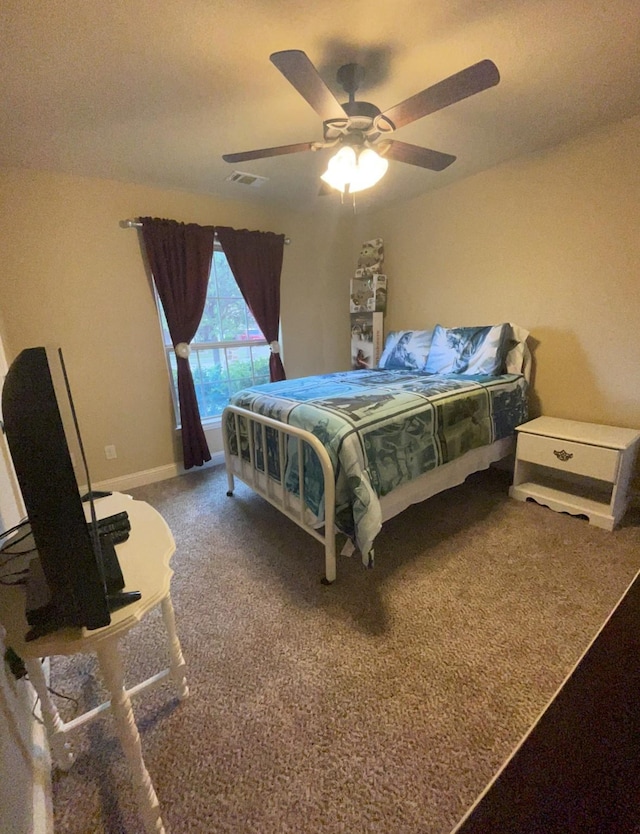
[[275, 492], [425, 486]]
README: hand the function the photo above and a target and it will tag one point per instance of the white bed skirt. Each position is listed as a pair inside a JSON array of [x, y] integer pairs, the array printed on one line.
[[443, 477]]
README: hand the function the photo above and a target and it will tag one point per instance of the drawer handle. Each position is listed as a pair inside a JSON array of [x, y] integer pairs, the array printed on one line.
[[562, 455]]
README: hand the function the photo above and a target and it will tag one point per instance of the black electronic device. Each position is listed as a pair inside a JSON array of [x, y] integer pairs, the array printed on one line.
[[95, 493], [76, 579], [117, 536], [114, 523], [115, 528]]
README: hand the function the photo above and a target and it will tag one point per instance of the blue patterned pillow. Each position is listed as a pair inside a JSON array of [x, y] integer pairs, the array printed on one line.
[[406, 350], [468, 350]]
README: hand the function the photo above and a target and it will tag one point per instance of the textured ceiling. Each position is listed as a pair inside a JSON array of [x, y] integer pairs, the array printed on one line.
[[155, 91]]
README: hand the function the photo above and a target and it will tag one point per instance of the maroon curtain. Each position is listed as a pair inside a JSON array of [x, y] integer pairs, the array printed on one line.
[[179, 256], [255, 259]]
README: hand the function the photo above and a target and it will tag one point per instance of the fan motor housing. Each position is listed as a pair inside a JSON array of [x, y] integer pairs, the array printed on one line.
[[361, 118], [364, 109]]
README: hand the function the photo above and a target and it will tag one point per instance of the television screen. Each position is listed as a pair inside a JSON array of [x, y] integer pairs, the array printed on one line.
[[69, 576]]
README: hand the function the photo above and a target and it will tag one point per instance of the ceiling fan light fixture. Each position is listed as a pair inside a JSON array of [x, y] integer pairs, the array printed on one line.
[[370, 169], [357, 125], [352, 171], [340, 168]]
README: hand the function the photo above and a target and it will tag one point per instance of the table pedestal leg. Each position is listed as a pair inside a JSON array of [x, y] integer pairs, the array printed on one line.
[[60, 750], [177, 664], [112, 672]]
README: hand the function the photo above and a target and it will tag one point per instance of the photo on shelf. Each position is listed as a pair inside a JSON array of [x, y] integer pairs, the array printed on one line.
[[368, 293], [366, 340]]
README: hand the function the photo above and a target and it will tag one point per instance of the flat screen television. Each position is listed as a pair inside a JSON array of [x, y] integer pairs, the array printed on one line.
[[75, 579]]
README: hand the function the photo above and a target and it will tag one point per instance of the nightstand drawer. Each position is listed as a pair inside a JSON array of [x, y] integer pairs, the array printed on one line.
[[579, 458]]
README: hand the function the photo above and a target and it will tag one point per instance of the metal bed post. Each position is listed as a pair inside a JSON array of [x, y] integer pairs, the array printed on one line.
[[248, 472]]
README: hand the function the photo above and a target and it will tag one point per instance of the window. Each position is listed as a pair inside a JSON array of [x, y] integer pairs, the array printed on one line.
[[228, 351]]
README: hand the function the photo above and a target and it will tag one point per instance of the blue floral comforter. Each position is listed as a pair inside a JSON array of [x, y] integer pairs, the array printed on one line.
[[381, 429]]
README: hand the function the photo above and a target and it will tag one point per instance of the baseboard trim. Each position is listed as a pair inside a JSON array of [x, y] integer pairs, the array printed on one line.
[[150, 476]]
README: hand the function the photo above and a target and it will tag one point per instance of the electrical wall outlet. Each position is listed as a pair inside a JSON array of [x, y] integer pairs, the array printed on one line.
[[110, 452]]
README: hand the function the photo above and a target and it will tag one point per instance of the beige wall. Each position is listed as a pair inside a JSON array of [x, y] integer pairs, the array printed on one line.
[[69, 275], [549, 241]]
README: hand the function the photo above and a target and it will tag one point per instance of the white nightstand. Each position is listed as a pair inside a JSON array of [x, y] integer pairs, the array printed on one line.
[[577, 468]]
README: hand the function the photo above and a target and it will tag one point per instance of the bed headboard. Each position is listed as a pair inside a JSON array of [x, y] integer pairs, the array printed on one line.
[[519, 355], [526, 363]]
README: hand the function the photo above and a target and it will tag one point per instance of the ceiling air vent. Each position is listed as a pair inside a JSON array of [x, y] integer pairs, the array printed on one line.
[[246, 179]]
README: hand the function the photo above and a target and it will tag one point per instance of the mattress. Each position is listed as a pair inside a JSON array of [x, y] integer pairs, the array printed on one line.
[[381, 429]]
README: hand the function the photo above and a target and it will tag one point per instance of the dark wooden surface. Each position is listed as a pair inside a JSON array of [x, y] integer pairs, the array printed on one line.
[[578, 770]]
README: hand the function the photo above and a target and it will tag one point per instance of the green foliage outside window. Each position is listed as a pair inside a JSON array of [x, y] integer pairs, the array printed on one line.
[[229, 351]]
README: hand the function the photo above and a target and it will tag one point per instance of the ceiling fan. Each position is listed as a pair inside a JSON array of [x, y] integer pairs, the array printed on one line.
[[359, 129]]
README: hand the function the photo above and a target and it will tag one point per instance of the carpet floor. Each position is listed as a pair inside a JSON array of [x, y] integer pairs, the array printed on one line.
[[383, 703]]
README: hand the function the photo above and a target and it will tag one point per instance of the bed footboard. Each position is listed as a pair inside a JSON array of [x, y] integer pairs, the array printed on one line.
[[253, 469]]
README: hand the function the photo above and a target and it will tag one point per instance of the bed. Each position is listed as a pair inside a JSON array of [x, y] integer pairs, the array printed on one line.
[[341, 453]]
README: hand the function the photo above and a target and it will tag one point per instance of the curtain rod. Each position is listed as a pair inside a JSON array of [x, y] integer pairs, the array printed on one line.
[[136, 224]]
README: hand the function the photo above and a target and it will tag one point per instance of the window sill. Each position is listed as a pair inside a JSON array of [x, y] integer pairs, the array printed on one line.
[[210, 423]]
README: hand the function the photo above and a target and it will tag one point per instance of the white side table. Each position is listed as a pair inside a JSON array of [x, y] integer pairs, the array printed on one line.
[[577, 468], [144, 559]]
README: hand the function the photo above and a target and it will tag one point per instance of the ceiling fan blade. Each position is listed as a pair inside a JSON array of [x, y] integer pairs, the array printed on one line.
[[300, 72], [245, 156], [465, 83], [413, 155]]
